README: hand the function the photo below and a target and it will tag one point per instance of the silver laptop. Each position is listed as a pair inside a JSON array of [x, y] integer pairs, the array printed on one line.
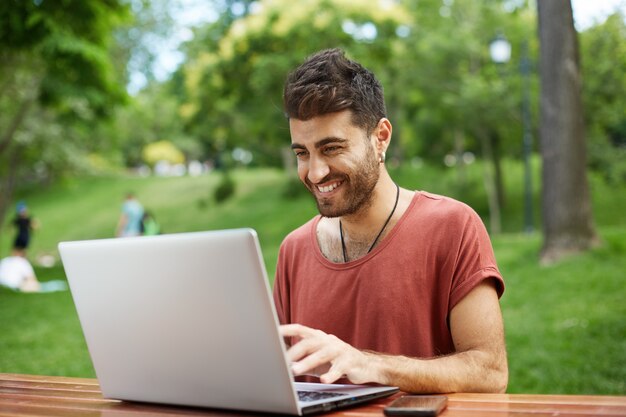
[[188, 319]]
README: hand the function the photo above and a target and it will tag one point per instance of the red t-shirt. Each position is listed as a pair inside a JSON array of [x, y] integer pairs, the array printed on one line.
[[396, 299]]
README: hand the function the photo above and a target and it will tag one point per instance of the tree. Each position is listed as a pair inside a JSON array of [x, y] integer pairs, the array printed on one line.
[[234, 81], [56, 77], [603, 51], [138, 42], [566, 206], [456, 98]]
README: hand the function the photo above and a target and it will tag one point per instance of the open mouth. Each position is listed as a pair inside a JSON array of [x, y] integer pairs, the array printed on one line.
[[324, 189]]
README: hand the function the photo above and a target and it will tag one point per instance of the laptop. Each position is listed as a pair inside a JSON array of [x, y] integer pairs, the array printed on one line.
[[188, 319]]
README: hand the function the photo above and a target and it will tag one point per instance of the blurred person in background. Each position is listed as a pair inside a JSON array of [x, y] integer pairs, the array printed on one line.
[[17, 273], [129, 223], [149, 225], [24, 224]]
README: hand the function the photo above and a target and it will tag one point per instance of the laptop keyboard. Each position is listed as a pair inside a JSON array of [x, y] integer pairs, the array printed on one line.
[[317, 395]]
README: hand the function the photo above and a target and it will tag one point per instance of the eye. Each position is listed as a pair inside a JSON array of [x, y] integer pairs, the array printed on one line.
[[300, 153], [331, 149]]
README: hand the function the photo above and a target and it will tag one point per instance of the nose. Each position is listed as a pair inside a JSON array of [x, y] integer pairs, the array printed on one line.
[[318, 169]]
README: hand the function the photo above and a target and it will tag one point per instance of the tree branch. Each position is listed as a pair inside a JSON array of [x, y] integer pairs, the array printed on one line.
[[5, 139]]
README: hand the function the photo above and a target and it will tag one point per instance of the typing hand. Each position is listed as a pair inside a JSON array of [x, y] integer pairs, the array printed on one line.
[[324, 355]]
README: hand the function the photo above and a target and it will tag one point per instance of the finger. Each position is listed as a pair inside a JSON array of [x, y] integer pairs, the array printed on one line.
[[304, 348], [287, 332], [318, 359], [332, 375], [295, 330]]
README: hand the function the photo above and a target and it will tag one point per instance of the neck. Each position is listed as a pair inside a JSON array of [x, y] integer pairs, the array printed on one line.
[[359, 251], [363, 222]]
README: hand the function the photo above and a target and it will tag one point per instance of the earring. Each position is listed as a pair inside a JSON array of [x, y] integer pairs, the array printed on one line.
[[381, 159]]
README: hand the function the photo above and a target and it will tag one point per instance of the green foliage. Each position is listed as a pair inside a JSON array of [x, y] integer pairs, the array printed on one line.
[[433, 63], [225, 189], [234, 83], [140, 39], [444, 95], [152, 116], [607, 158], [294, 188], [603, 49], [71, 42], [56, 80], [453, 90]]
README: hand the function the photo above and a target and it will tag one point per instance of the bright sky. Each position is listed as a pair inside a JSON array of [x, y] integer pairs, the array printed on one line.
[[196, 12], [588, 12]]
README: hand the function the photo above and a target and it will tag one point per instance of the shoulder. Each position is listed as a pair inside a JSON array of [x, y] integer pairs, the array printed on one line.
[[299, 237], [438, 207], [295, 246], [15, 262], [447, 222], [460, 234], [26, 265]]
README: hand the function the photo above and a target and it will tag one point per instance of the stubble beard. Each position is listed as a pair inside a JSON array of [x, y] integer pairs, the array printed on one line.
[[358, 192]]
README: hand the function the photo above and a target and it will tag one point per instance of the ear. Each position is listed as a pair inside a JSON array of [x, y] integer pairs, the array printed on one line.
[[383, 135]]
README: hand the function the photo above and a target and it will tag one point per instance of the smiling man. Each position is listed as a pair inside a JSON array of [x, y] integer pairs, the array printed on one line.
[[386, 285]]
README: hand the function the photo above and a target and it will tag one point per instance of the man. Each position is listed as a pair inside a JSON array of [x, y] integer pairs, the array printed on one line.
[[387, 285]]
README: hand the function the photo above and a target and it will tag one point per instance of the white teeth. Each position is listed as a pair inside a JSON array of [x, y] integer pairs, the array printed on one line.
[[328, 188]]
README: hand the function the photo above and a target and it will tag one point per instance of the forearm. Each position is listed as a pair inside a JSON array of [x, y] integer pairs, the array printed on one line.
[[479, 364], [469, 371]]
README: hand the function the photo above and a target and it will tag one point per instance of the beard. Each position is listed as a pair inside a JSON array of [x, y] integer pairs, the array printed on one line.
[[358, 188]]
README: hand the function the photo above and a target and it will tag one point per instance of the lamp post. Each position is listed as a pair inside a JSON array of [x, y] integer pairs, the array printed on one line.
[[500, 51], [527, 140]]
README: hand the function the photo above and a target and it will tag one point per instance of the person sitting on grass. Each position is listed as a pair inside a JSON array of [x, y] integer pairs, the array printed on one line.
[[17, 273]]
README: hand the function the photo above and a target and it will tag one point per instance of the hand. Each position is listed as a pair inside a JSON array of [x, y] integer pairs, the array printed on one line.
[[324, 355]]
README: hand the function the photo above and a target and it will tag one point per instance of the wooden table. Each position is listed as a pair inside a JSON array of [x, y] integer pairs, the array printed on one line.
[[30, 395]]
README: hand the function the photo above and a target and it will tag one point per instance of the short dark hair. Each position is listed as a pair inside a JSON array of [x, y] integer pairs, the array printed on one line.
[[328, 82]]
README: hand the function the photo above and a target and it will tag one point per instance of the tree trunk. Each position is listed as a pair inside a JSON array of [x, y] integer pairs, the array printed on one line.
[[7, 186], [7, 136], [489, 179], [566, 204]]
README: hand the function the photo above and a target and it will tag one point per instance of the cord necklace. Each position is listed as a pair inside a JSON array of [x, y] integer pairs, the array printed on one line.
[[343, 243]]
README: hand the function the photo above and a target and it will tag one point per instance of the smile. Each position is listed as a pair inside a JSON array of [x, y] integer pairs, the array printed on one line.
[[328, 188]]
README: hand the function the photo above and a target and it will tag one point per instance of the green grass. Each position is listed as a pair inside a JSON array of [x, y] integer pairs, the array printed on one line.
[[89, 208], [41, 333], [565, 324]]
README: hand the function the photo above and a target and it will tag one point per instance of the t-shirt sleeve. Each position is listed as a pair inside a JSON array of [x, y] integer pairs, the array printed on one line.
[[475, 261], [281, 287]]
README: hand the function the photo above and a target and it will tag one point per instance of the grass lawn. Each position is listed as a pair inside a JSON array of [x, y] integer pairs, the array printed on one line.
[[565, 324]]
